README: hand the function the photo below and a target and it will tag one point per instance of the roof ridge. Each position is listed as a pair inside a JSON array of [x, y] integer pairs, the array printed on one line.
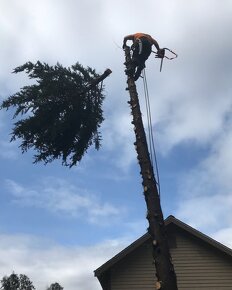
[[169, 220]]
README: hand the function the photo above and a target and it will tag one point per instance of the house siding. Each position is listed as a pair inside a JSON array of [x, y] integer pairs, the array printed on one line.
[[197, 265], [200, 266], [135, 272]]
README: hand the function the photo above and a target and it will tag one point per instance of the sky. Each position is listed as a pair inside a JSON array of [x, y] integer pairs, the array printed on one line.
[[60, 224]]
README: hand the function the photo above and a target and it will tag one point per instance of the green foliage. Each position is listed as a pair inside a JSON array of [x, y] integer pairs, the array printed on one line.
[[15, 282], [62, 112], [55, 286]]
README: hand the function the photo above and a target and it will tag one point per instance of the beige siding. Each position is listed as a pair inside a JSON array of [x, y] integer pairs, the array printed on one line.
[[135, 272], [197, 265]]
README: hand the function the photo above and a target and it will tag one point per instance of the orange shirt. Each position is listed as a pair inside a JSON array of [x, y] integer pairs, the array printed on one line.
[[139, 35]]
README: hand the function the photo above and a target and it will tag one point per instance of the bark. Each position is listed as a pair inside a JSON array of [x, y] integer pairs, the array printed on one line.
[[96, 81], [161, 255]]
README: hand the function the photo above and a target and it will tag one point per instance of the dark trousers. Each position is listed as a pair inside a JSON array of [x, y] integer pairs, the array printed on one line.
[[141, 52]]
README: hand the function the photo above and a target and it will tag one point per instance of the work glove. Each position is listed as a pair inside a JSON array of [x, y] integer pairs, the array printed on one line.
[[160, 53]]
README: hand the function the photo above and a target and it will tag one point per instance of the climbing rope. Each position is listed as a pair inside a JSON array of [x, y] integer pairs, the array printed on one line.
[[150, 131]]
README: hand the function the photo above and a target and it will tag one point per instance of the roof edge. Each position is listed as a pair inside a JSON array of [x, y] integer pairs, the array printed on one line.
[[121, 254], [169, 220]]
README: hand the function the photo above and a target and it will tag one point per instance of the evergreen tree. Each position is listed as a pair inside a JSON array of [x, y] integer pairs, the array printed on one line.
[[16, 282], [55, 286], [11, 282], [62, 111], [25, 283]]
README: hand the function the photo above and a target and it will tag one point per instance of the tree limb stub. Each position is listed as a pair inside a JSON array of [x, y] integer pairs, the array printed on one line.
[[95, 82]]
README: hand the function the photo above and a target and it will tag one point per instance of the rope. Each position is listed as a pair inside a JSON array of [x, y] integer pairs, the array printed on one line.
[[150, 132], [148, 114]]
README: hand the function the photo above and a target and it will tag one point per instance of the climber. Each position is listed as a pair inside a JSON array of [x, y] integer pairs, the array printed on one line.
[[142, 48]]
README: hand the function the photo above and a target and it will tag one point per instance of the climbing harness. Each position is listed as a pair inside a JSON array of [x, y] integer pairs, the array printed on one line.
[[150, 132], [140, 46], [162, 55]]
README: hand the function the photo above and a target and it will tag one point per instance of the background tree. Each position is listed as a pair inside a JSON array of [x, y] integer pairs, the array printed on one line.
[[55, 286], [62, 111], [25, 283], [16, 282], [10, 282]]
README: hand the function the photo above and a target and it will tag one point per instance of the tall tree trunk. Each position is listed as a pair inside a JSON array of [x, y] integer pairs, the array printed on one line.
[[166, 278]]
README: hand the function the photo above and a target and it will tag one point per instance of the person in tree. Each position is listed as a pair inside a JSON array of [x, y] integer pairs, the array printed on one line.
[[142, 48]]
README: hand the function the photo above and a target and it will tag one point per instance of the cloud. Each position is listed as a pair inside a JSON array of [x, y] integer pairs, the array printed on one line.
[[191, 97], [224, 236], [205, 192], [207, 212], [190, 103], [45, 262], [60, 197], [191, 91], [8, 150], [118, 133], [193, 119]]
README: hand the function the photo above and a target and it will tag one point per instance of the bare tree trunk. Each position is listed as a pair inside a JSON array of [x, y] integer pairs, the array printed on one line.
[[166, 278]]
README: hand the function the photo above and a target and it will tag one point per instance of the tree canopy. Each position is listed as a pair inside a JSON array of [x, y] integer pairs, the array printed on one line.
[[61, 112], [22, 282], [16, 282], [55, 286]]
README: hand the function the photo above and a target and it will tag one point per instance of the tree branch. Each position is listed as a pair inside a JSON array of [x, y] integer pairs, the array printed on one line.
[[95, 82]]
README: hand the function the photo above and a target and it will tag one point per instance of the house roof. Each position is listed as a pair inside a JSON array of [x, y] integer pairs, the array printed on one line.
[[170, 220]]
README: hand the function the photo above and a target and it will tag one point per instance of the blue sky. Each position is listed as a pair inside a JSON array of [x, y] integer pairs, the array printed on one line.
[[59, 224]]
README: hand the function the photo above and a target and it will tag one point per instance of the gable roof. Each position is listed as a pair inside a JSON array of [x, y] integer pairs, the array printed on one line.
[[170, 220]]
